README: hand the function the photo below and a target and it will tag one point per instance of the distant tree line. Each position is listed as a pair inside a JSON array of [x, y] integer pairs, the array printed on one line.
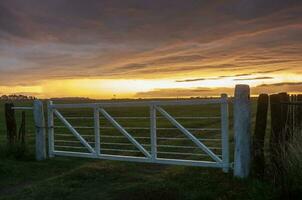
[[17, 97]]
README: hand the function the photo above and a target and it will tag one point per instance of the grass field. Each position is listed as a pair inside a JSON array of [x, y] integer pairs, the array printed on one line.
[[79, 178]]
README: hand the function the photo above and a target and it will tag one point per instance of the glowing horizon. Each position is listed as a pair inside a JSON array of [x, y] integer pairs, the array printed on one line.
[[136, 88], [148, 49]]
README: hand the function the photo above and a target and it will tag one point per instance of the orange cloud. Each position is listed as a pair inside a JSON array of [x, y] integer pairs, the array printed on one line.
[[179, 44]]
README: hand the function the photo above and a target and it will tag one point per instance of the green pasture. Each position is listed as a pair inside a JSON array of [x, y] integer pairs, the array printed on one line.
[[80, 178]]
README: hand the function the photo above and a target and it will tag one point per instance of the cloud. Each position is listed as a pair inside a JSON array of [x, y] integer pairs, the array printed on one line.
[[255, 78], [282, 84], [290, 87], [270, 71], [174, 92], [183, 40], [27, 93], [211, 78]]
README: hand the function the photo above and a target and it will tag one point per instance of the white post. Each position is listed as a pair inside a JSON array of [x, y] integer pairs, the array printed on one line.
[[225, 132], [153, 132], [50, 123], [40, 130], [242, 131], [97, 131]]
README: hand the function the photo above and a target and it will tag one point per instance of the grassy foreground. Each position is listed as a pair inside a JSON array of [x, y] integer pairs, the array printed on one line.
[[63, 178], [78, 178]]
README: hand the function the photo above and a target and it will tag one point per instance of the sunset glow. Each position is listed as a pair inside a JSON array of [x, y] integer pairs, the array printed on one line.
[[149, 49], [129, 88]]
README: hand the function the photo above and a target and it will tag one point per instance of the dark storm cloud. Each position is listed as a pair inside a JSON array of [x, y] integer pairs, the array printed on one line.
[[195, 79], [211, 78], [256, 78], [270, 71], [124, 39]]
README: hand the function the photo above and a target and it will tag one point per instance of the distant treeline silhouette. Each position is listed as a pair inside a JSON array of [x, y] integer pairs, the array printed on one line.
[[17, 97]]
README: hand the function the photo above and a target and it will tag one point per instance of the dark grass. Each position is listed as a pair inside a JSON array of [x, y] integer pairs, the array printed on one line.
[[117, 180], [78, 178]]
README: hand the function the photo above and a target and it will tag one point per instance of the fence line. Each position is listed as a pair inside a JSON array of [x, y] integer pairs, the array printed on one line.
[[154, 146]]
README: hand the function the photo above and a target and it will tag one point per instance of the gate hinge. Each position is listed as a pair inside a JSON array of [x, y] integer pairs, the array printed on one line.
[[232, 165]]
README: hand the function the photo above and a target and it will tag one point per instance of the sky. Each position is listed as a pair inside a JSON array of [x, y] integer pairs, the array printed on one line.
[[149, 48]]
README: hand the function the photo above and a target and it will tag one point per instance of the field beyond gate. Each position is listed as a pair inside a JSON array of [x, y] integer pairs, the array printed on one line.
[[153, 136], [79, 178]]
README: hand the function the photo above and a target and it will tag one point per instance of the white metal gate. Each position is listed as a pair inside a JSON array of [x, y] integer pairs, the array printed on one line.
[[93, 146]]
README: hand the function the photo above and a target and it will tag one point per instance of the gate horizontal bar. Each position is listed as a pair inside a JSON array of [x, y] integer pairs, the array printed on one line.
[[22, 108], [141, 103], [74, 154], [159, 152], [185, 147], [126, 144], [71, 147], [121, 150], [188, 163], [139, 137], [142, 128], [75, 117], [176, 138], [142, 159], [183, 154]]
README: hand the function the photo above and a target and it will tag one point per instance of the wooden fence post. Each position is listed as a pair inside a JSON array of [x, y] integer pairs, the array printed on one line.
[[279, 114], [276, 123], [259, 135], [40, 130], [11, 125], [281, 133], [299, 112], [285, 129], [22, 129], [242, 131]]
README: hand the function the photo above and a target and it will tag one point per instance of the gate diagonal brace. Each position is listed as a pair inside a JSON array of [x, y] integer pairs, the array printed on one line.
[[125, 133], [189, 135], [74, 132]]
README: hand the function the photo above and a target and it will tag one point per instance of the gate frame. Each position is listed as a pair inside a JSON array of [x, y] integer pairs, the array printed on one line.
[[98, 108], [242, 132]]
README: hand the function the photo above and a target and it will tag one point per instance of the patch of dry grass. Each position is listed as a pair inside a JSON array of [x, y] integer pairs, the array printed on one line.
[[288, 173]]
